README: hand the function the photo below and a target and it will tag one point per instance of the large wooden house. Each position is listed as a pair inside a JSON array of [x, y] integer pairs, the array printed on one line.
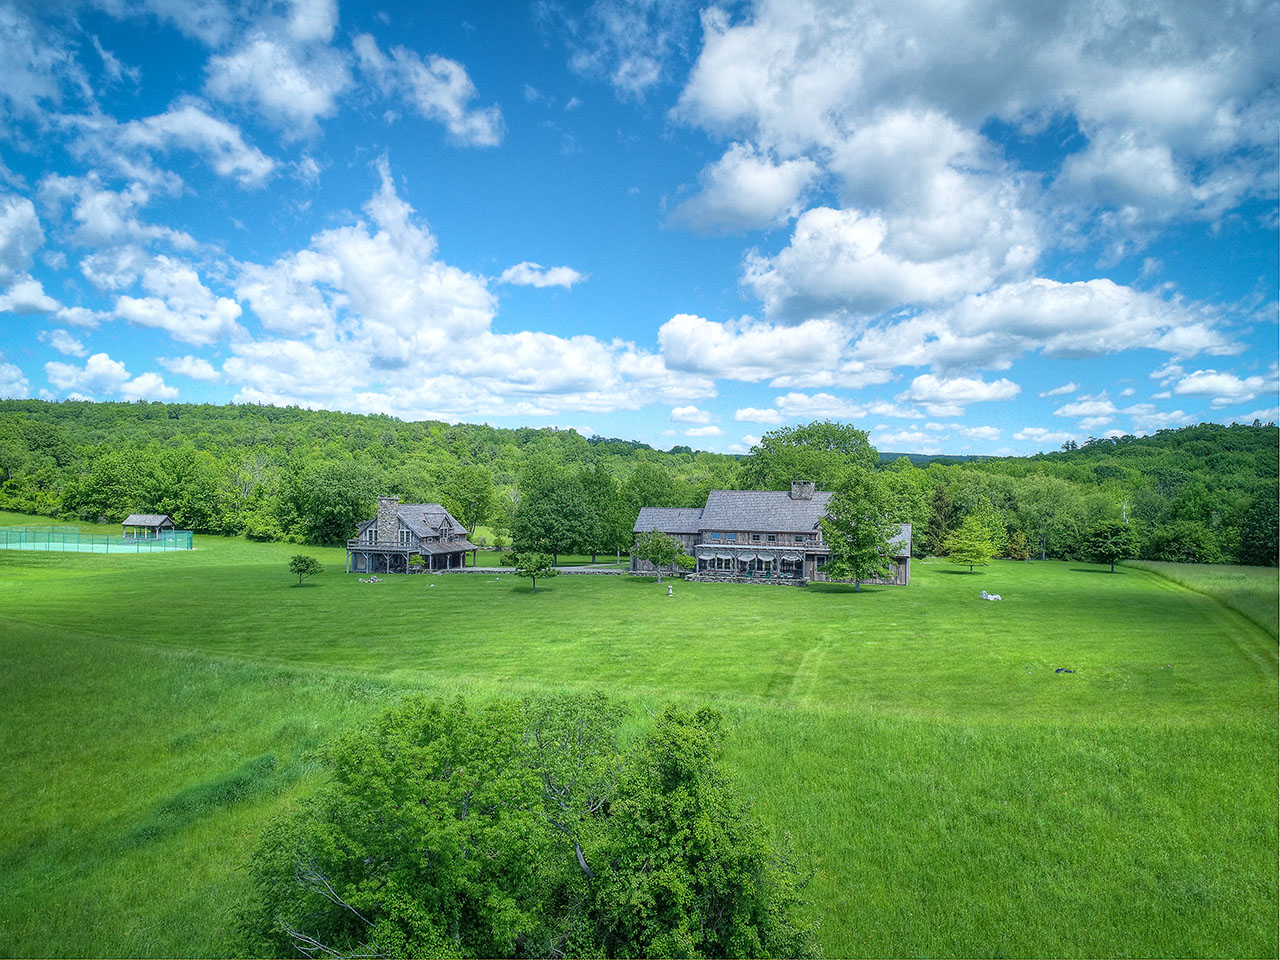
[[401, 531], [758, 535]]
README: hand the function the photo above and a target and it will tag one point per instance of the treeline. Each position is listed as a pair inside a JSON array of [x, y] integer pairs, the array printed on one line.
[[1204, 494], [284, 473]]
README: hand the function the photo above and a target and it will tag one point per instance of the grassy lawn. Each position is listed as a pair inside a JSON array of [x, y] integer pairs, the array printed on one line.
[[1251, 591], [953, 793]]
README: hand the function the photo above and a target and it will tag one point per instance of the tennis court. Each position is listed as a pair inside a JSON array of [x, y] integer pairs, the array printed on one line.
[[58, 539]]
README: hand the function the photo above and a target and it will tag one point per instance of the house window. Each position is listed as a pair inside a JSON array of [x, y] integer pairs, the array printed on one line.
[[799, 538], [755, 538], [715, 536], [731, 536], [404, 538], [772, 538]]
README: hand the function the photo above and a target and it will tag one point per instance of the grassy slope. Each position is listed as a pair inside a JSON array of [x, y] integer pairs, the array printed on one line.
[[954, 794], [1251, 591]]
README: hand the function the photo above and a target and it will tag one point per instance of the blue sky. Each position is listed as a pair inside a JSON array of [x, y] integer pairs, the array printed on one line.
[[983, 227]]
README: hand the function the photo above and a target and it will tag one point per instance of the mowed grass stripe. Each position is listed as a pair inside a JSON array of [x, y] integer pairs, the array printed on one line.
[[955, 796]]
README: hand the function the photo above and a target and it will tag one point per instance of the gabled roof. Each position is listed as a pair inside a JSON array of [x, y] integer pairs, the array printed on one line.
[[147, 520], [668, 520], [422, 520], [765, 510], [427, 519]]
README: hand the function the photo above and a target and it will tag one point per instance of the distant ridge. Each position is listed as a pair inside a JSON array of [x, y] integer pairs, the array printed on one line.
[[924, 459]]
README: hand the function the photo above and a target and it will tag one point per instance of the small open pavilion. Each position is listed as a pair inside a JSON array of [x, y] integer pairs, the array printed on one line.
[[148, 526]]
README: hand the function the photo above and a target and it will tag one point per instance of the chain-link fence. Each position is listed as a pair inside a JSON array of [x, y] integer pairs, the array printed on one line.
[[72, 540]]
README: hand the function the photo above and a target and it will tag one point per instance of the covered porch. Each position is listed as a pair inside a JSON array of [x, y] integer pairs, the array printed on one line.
[[751, 563], [365, 557]]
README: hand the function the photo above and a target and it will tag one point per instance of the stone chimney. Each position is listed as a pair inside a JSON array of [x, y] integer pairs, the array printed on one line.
[[801, 489], [388, 520]]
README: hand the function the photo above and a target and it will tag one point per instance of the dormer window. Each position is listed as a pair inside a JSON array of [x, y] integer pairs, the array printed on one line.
[[755, 538], [715, 536]]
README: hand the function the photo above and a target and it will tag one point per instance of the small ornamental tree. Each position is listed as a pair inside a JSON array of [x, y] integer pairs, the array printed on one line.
[[857, 530], [1109, 542], [970, 544], [535, 565], [658, 548], [304, 566]]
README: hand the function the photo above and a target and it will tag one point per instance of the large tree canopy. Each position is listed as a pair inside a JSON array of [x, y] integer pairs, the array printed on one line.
[[822, 451], [523, 829], [857, 529]]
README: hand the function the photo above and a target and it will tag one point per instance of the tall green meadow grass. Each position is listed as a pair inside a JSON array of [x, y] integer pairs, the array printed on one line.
[[1086, 768]]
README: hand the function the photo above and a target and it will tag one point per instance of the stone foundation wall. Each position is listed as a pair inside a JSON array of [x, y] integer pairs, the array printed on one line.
[[772, 581]]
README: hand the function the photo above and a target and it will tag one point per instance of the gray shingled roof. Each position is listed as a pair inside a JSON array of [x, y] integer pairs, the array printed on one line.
[[668, 520], [768, 511], [146, 519], [902, 541], [422, 519]]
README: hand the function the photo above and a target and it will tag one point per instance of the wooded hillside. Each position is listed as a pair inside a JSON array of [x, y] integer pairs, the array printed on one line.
[[1204, 493]]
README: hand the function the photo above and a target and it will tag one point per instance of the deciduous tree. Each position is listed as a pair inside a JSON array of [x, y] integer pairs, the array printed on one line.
[[971, 543], [857, 529], [658, 549], [1110, 541], [524, 829], [535, 565], [468, 494], [304, 566], [821, 451]]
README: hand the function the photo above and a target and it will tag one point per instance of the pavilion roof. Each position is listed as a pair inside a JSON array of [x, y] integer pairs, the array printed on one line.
[[147, 520]]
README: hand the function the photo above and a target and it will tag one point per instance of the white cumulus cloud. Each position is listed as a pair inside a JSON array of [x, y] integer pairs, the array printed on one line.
[[1069, 387], [13, 384], [745, 190], [20, 236], [690, 414], [1224, 388], [63, 342], [197, 368], [101, 375], [181, 305], [529, 274], [437, 88]]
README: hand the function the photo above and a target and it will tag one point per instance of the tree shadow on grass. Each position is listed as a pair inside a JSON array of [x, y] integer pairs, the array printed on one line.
[[527, 588], [829, 587], [960, 573], [1094, 570]]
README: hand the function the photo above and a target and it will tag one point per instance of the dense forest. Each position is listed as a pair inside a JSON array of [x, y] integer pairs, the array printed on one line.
[[1206, 493]]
